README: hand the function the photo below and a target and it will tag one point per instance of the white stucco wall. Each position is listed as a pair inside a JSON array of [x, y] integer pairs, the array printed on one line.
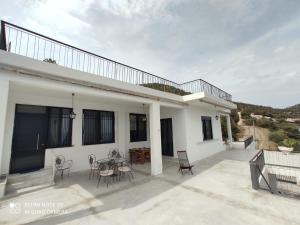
[[196, 147], [78, 152], [178, 127]]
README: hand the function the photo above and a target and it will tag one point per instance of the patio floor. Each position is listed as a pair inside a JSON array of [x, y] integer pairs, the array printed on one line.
[[218, 193]]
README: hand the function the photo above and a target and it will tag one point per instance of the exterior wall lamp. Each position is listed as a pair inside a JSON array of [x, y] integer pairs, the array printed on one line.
[[72, 114]]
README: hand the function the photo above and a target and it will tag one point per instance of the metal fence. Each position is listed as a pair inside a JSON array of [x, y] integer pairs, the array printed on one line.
[[248, 141], [276, 172], [27, 43]]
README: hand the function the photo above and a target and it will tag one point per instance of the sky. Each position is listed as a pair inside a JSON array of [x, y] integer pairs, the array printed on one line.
[[249, 48]]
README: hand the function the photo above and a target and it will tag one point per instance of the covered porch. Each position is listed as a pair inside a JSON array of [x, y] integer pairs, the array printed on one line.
[[31, 93]]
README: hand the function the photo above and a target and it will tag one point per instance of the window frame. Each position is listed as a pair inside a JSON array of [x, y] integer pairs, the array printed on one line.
[[138, 138], [70, 134], [205, 133], [99, 132]]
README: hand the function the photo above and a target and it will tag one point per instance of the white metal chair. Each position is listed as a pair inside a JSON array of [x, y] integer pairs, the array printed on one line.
[[62, 165], [94, 166]]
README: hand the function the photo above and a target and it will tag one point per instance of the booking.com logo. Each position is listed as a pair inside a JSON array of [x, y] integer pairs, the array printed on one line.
[[15, 208], [35, 208]]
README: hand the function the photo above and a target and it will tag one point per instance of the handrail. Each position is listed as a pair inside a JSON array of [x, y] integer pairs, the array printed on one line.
[[256, 156], [28, 43]]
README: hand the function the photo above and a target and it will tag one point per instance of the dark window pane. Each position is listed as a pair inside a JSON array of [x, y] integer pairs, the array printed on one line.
[[107, 127], [207, 128], [60, 127], [91, 127], [138, 127], [98, 127]]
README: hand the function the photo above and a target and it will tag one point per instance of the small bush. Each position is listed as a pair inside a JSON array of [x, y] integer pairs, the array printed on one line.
[[289, 142], [49, 60], [249, 121], [265, 123], [245, 114], [278, 136]]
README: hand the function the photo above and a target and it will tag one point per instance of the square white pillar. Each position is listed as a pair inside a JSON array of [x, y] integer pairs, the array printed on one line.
[[229, 132], [155, 139], [4, 92]]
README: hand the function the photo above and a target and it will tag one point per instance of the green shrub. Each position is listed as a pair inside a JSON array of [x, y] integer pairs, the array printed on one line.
[[289, 142], [278, 136], [235, 116], [265, 123], [235, 130], [297, 147], [249, 121], [49, 60], [245, 114]]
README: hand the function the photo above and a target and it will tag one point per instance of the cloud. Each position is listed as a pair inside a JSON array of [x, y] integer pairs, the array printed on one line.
[[248, 48]]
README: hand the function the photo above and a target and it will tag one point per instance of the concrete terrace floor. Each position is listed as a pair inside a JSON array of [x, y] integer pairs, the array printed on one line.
[[218, 193]]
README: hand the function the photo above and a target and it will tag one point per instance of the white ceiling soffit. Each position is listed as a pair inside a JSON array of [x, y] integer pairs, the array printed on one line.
[[204, 97]]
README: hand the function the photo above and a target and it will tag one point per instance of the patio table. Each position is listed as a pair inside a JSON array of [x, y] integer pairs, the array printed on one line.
[[116, 162]]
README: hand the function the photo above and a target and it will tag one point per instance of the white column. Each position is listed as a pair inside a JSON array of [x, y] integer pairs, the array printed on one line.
[[155, 139], [229, 132], [4, 91], [77, 126]]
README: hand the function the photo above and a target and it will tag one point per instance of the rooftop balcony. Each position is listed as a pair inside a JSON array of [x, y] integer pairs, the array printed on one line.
[[28, 43]]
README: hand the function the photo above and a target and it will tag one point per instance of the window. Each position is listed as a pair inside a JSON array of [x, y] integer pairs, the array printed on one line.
[[59, 127], [207, 128], [98, 127], [138, 127], [54, 121]]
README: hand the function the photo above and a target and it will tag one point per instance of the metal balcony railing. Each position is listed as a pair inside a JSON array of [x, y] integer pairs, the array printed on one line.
[[276, 172], [27, 43]]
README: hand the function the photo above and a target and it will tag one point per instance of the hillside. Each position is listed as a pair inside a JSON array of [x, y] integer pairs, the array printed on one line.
[[289, 112], [271, 130]]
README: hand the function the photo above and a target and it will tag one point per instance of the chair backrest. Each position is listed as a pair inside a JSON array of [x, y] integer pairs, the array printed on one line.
[[183, 159], [59, 161], [113, 153], [126, 163], [92, 159], [69, 163], [104, 167]]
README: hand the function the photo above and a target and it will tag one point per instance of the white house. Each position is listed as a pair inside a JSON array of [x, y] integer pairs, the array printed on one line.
[[114, 107]]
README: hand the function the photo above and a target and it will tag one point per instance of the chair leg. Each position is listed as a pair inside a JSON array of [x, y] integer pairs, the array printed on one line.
[[131, 174], [128, 176], [191, 171], [99, 181], [90, 174]]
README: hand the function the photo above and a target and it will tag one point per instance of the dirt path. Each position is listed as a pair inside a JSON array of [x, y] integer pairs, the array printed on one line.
[[261, 135]]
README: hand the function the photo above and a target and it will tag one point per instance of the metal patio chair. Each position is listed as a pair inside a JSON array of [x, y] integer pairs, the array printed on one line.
[[125, 169], [184, 163], [106, 170], [62, 165], [94, 166]]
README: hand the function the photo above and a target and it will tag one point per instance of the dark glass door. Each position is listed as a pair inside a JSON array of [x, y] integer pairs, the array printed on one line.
[[29, 139], [166, 137]]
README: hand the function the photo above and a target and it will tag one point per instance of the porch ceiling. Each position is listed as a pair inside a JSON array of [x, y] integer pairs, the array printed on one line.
[[41, 87]]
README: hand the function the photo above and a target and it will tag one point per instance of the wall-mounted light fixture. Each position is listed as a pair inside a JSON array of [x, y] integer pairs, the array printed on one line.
[[144, 118], [72, 114]]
